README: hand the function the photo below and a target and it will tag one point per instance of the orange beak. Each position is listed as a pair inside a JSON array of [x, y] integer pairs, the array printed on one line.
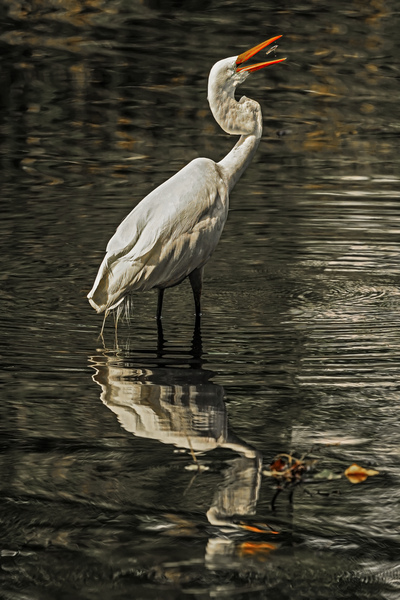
[[250, 53]]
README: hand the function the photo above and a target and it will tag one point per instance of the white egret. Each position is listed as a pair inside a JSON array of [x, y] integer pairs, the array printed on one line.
[[172, 232]]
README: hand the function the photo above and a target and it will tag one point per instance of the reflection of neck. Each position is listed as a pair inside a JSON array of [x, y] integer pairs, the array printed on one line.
[[238, 494], [239, 446], [238, 159]]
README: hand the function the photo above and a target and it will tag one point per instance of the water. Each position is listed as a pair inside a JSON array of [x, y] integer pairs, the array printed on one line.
[[124, 467]]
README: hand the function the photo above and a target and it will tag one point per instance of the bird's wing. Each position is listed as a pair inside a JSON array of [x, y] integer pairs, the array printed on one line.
[[171, 232], [173, 208]]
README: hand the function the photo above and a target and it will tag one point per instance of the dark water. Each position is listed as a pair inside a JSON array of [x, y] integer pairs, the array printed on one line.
[[299, 348]]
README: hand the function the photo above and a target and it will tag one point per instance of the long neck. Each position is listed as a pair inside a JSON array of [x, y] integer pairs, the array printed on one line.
[[241, 117], [237, 160]]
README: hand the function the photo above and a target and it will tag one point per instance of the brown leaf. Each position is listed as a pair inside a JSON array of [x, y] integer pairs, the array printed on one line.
[[278, 465], [357, 474]]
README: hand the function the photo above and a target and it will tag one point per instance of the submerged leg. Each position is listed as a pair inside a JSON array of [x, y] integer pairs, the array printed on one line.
[[197, 345], [160, 303], [160, 339], [196, 281]]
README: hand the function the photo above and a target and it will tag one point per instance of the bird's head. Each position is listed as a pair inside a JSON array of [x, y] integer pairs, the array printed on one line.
[[223, 80]]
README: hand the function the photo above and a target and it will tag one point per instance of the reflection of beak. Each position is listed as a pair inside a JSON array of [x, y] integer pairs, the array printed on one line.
[[256, 548], [249, 53], [257, 529]]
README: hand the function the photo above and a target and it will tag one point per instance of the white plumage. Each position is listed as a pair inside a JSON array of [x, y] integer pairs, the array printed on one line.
[[172, 232], [141, 256]]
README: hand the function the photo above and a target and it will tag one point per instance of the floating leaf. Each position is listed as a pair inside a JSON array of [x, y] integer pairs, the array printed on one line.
[[287, 467], [278, 465], [327, 474], [357, 474]]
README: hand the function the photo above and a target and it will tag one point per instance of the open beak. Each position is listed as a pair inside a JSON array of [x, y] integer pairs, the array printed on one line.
[[250, 53]]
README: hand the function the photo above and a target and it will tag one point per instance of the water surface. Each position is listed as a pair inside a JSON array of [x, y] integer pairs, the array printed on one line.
[[125, 468]]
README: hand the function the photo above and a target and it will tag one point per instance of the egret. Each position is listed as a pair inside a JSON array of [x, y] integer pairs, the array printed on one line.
[[171, 234]]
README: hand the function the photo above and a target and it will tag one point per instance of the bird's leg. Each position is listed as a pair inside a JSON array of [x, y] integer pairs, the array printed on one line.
[[196, 281], [104, 322], [160, 303], [117, 314]]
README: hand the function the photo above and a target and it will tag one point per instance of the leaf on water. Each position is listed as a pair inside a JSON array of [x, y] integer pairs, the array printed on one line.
[[327, 475], [287, 467], [278, 465], [357, 474]]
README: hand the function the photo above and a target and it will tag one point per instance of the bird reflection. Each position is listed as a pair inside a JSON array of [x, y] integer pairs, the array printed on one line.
[[196, 350], [184, 408]]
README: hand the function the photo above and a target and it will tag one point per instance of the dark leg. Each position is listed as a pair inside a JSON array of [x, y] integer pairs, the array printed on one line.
[[196, 281], [159, 304]]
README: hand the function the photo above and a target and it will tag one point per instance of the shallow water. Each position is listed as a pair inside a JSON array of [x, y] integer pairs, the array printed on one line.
[[124, 467]]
